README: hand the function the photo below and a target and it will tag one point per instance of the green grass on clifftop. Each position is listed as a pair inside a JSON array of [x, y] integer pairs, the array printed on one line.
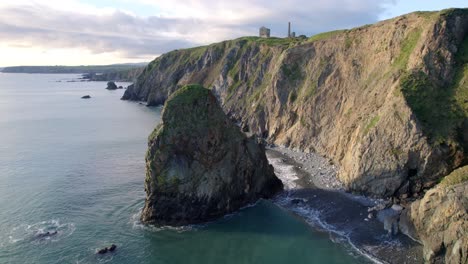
[[187, 95], [272, 41], [325, 35]]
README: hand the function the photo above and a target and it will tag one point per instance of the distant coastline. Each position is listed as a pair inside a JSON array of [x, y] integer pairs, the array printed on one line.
[[73, 69], [114, 72]]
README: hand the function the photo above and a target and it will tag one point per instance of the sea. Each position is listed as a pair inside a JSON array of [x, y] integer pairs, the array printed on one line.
[[77, 166]]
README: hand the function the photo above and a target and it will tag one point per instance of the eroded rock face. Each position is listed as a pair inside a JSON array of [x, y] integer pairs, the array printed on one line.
[[440, 219], [199, 165], [373, 99]]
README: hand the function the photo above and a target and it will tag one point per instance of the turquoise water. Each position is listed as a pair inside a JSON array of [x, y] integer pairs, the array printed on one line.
[[77, 167]]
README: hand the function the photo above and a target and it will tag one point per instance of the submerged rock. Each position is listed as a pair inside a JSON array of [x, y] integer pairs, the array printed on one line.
[[111, 86], [102, 251], [47, 234], [199, 165]]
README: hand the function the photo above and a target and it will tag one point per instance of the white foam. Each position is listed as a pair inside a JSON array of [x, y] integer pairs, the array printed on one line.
[[285, 173], [312, 217], [137, 224], [34, 232]]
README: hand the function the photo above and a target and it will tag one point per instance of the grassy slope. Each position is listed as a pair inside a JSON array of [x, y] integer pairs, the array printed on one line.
[[441, 110]]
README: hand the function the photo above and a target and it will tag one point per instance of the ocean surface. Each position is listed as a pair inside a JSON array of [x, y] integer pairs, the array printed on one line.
[[77, 167]]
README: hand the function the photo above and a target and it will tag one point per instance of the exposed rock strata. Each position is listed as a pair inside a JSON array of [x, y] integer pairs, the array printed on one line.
[[200, 166], [440, 221], [386, 102]]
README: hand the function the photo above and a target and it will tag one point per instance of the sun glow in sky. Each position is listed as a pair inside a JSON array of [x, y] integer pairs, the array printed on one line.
[[79, 32]]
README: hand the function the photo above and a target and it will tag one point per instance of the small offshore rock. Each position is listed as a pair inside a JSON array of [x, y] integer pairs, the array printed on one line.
[[47, 234], [86, 97], [112, 248], [111, 86], [103, 251]]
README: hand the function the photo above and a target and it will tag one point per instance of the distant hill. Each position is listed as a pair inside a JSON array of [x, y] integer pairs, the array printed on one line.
[[127, 75], [74, 69]]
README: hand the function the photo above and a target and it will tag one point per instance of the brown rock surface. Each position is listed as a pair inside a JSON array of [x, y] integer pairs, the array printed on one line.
[[441, 221], [200, 166], [386, 102]]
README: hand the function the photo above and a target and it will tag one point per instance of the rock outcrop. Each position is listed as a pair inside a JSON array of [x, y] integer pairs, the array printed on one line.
[[111, 86], [440, 220], [200, 166], [386, 102]]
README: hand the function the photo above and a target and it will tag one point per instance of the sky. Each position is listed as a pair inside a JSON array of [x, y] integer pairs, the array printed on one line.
[[88, 32]]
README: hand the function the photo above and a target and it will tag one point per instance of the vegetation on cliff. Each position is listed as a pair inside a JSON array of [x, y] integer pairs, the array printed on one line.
[[386, 102], [199, 165]]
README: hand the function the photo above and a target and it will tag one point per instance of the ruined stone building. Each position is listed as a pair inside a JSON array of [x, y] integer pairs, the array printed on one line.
[[264, 32]]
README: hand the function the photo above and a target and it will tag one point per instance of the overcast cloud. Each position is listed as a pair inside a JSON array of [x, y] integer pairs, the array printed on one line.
[[133, 35]]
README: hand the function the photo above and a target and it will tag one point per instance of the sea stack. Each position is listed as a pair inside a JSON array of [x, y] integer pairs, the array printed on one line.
[[199, 165], [111, 86]]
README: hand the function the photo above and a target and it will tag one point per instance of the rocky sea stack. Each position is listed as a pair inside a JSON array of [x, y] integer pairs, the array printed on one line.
[[199, 165], [111, 86]]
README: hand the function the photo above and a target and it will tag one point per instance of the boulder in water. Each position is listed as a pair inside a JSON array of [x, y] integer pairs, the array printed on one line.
[[111, 86], [112, 248], [86, 97]]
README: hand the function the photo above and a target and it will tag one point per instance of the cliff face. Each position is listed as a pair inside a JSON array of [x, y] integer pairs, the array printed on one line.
[[440, 219], [199, 165], [387, 102]]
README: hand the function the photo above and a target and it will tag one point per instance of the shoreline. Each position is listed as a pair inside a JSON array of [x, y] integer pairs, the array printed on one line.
[[313, 192]]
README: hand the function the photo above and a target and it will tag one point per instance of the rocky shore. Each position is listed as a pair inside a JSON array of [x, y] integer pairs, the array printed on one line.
[[386, 102], [313, 192], [323, 173]]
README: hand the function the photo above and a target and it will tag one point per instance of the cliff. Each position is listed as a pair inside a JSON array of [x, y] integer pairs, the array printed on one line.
[[199, 165], [440, 220], [386, 102]]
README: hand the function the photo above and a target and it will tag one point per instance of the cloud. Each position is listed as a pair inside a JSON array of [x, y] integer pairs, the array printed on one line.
[[176, 24]]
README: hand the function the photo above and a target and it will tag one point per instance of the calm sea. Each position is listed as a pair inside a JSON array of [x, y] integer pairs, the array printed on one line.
[[77, 167]]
